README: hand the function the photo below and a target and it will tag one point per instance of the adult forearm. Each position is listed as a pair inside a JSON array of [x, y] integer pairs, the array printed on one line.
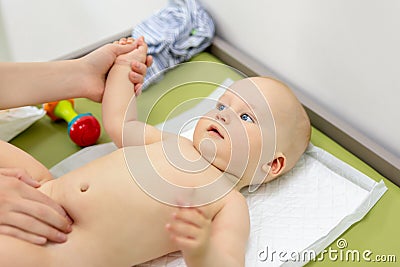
[[39, 82]]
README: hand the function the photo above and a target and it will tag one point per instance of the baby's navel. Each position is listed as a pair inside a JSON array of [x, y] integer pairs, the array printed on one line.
[[84, 187]]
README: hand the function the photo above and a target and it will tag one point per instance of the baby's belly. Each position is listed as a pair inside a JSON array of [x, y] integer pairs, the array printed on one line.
[[115, 222]]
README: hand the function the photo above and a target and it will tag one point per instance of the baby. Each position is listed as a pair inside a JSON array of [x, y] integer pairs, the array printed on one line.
[[148, 198]]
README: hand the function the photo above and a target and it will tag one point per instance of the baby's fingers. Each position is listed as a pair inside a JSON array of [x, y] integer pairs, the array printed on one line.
[[193, 216], [183, 230], [185, 244], [187, 237]]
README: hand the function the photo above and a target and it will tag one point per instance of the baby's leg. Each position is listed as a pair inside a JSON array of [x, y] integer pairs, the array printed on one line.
[[15, 253], [13, 157], [139, 54]]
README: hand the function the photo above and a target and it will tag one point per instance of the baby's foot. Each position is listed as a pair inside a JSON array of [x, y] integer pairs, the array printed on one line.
[[139, 54]]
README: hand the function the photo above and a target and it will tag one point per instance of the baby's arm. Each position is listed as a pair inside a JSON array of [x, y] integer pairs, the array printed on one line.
[[206, 242]]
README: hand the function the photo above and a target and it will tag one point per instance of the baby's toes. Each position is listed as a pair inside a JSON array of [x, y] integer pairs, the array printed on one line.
[[122, 41]]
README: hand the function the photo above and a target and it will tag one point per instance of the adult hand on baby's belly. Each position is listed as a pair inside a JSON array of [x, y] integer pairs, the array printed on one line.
[[28, 214]]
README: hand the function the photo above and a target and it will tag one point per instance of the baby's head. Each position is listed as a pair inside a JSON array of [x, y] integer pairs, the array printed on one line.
[[257, 131]]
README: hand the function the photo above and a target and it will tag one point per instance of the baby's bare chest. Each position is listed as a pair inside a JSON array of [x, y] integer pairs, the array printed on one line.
[[177, 163]]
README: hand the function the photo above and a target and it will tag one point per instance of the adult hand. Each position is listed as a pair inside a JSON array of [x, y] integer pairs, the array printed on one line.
[[28, 214], [97, 64]]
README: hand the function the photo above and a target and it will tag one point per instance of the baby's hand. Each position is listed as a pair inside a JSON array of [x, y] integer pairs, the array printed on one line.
[[190, 230]]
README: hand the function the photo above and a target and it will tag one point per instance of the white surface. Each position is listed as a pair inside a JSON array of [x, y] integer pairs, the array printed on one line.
[[16, 120], [307, 208]]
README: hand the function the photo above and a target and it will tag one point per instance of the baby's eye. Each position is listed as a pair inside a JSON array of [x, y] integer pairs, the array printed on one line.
[[221, 107], [246, 117]]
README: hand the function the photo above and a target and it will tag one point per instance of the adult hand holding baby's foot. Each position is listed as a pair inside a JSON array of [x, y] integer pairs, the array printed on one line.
[[94, 67], [137, 59]]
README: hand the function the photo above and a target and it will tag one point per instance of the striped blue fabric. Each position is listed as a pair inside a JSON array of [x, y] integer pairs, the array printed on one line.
[[175, 34]]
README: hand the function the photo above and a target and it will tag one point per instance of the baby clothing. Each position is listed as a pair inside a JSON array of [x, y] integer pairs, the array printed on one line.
[[175, 34]]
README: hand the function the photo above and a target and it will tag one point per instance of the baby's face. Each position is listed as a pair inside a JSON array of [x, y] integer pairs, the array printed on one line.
[[231, 135]]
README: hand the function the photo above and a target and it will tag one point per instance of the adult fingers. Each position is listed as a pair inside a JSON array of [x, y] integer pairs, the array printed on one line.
[[45, 214], [135, 78], [139, 68], [42, 207], [38, 210], [138, 89], [149, 60], [18, 233], [13, 190], [20, 174], [32, 226]]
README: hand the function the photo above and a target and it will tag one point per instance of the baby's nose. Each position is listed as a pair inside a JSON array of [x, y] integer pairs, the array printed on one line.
[[223, 116]]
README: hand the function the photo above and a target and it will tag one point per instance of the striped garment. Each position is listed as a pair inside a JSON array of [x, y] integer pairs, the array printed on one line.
[[175, 34]]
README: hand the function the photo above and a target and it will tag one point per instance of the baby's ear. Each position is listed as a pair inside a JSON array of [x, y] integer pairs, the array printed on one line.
[[275, 167]]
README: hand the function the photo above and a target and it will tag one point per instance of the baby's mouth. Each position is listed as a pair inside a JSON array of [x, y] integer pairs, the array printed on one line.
[[214, 130]]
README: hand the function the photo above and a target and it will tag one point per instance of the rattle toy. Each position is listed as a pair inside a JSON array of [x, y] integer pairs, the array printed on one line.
[[83, 129]]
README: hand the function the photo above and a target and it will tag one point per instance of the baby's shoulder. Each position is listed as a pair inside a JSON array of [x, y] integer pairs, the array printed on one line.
[[234, 211], [235, 200]]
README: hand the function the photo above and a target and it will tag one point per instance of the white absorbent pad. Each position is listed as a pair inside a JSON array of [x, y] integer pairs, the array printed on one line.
[[16, 120], [304, 210]]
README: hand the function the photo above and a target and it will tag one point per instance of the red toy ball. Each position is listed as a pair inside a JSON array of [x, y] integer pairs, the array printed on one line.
[[84, 130]]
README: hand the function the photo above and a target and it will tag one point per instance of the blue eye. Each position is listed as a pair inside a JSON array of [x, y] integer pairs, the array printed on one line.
[[221, 107], [246, 117]]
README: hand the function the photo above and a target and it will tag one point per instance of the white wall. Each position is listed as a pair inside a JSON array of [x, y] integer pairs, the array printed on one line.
[[46, 29], [4, 49], [344, 54]]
